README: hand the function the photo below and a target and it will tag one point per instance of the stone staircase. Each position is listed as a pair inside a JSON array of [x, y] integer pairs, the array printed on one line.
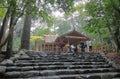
[[60, 66]]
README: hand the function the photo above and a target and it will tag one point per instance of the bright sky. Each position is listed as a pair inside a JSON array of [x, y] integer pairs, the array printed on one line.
[[60, 14], [54, 28], [57, 14]]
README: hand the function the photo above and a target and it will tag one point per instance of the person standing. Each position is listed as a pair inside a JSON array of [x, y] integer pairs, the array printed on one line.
[[82, 46], [72, 48], [76, 50], [67, 48], [61, 44], [90, 45]]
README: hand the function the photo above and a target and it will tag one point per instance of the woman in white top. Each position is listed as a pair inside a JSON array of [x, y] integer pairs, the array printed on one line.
[[72, 47]]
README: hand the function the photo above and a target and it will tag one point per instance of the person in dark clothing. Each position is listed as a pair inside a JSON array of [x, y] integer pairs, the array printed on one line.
[[82, 46], [76, 50], [61, 43]]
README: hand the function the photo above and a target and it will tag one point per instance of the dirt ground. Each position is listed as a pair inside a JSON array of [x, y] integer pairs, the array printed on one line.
[[114, 57], [2, 57]]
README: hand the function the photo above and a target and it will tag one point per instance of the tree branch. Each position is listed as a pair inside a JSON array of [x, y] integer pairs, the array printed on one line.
[[5, 22], [3, 7], [16, 19], [3, 43], [113, 4]]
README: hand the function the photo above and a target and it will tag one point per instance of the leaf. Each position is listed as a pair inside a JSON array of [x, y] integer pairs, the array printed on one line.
[[2, 12], [36, 37]]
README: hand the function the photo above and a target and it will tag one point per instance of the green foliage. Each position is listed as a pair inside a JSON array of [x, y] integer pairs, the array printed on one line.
[[16, 43], [49, 20], [42, 31], [50, 1], [2, 12], [2, 9], [20, 7], [36, 38], [96, 25], [78, 8], [64, 26], [104, 19], [66, 5], [95, 16]]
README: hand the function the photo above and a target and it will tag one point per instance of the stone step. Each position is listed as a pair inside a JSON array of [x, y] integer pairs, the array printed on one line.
[[58, 72], [62, 60], [39, 75], [80, 76], [74, 71], [63, 55], [37, 63], [57, 63], [54, 67], [52, 63], [60, 66]]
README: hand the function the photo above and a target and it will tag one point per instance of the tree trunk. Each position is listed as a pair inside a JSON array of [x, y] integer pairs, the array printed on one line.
[[117, 27], [10, 36], [10, 43], [117, 38], [25, 40], [3, 27], [111, 36]]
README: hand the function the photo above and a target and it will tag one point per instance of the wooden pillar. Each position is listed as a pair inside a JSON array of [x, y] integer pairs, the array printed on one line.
[[51, 46], [36, 45], [44, 47]]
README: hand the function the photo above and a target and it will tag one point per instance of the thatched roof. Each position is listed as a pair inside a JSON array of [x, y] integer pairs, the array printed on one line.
[[72, 37], [50, 38]]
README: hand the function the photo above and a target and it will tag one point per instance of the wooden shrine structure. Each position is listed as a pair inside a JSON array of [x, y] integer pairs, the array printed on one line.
[[49, 44], [72, 37]]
